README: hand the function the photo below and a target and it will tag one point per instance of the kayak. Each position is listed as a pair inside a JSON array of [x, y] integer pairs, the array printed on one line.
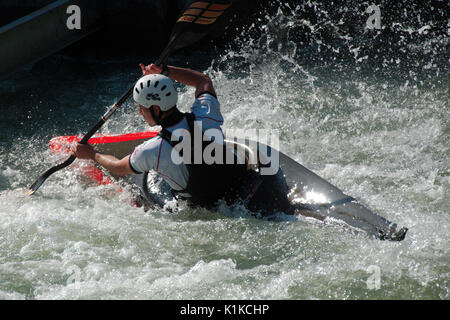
[[310, 195], [117, 145]]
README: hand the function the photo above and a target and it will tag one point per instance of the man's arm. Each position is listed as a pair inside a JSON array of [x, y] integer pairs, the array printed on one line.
[[189, 77], [109, 162]]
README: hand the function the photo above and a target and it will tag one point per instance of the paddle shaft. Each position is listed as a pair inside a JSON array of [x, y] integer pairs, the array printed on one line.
[[102, 121], [84, 140], [177, 41], [106, 116]]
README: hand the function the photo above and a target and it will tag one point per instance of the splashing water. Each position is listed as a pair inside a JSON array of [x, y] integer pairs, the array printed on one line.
[[365, 109]]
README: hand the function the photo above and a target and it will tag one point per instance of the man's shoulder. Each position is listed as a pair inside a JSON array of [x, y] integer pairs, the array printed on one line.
[[149, 146], [207, 109], [206, 99]]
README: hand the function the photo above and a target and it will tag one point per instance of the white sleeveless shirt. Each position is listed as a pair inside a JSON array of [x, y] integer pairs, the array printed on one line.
[[155, 154]]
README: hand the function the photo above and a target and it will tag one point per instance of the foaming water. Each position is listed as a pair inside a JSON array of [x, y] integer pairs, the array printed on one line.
[[374, 125]]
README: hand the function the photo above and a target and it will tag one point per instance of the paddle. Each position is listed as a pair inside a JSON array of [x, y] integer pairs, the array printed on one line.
[[193, 24]]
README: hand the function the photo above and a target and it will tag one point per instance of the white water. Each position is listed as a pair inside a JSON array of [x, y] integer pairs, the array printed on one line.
[[382, 139]]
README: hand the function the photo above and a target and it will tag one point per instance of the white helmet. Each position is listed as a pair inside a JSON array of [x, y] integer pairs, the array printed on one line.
[[155, 89]]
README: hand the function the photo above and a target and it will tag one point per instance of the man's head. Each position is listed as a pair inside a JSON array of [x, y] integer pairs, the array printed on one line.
[[156, 93]]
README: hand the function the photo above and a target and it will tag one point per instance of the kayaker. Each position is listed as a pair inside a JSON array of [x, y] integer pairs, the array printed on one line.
[[200, 183]]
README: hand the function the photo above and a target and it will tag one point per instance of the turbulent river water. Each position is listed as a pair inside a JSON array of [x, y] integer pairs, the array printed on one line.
[[374, 121]]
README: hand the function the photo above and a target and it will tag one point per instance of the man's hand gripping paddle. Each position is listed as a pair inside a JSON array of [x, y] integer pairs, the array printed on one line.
[[193, 24]]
